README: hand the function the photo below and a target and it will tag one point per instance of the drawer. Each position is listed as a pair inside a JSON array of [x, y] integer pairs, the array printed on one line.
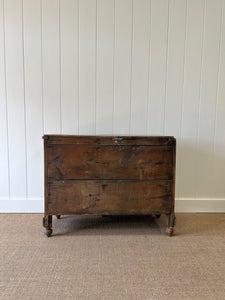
[[118, 197], [109, 162]]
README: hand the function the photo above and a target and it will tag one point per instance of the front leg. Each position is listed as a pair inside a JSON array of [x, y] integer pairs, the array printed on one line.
[[47, 223], [170, 222]]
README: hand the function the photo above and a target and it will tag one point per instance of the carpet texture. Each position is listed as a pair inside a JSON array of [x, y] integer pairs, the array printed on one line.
[[91, 257]]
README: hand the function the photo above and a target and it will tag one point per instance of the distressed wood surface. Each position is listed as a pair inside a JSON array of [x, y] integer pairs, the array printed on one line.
[[109, 175], [119, 197], [110, 140], [113, 162]]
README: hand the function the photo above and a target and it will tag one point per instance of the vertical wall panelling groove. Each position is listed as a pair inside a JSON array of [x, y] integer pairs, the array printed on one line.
[[78, 66], [6, 104], [114, 46], [176, 47], [182, 107], [159, 19], [217, 78], [200, 97], [123, 21], [4, 146], [208, 98], [148, 78], [51, 66], [24, 99], [192, 79], [69, 65], [25, 114], [87, 64], [140, 63], [15, 97], [104, 67], [175, 63], [96, 61], [123, 67], [60, 70], [42, 96], [131, 61], [199, 107], [191, 102], [33, 96], [218, 136], [166, 73]]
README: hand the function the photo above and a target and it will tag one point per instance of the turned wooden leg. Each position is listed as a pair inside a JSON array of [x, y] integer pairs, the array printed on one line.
[[47, 223], [170, 222], [58, 216]]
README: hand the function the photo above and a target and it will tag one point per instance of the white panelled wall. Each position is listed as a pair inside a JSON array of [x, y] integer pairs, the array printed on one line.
[[121, 67]]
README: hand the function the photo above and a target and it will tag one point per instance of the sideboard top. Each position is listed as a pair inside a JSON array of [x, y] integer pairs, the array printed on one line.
[[109, 140]]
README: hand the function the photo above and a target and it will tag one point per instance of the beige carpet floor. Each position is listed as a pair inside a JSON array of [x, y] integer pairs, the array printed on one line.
[[91, 257]]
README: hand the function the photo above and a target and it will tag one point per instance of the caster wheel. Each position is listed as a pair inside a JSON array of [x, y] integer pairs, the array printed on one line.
[[58, 216], [169, 231], [48, 232]]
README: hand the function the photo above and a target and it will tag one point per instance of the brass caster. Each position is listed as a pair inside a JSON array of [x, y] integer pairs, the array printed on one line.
[[169, 231], [58, 216], [48, 232]]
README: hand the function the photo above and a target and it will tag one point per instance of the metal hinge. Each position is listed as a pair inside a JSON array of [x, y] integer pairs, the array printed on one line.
[[117, 139]]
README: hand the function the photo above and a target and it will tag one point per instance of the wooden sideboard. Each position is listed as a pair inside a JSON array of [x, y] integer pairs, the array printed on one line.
[[109, 175]]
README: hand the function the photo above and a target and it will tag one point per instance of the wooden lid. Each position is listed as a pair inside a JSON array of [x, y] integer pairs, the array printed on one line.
[[110, 140]]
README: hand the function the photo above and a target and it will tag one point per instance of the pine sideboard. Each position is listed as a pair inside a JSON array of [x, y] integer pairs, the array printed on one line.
[[109, 175]]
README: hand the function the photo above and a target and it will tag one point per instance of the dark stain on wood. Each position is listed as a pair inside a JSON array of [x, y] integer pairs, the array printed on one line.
[[104, 187]]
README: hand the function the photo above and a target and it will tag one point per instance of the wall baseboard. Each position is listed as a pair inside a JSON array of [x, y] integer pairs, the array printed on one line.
[[183, 205], [199, 205], [21, 205]]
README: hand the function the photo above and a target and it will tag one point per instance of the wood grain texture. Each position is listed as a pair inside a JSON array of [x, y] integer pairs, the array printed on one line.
[[109, 162], [131, 179], [117, 197], [109, 140]]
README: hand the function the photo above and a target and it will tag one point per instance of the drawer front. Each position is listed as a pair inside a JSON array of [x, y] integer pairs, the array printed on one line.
[[118, 197], [109, 162]]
